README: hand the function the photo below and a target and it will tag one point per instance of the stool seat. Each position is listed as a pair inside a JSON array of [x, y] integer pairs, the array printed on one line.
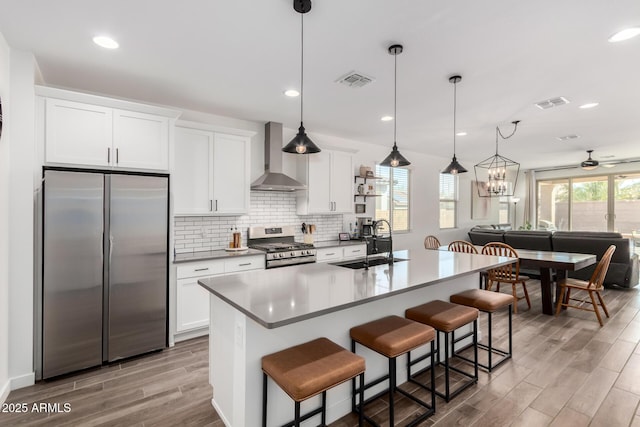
[[308, 369], [442, 315], [392, 336], [482, 300]]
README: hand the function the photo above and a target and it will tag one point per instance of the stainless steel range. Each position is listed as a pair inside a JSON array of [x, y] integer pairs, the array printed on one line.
[[280, 246]]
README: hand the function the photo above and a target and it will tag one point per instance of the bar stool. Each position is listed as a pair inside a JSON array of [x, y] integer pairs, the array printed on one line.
[[446, 317], [308, 369], [487, 302], [392, 336]]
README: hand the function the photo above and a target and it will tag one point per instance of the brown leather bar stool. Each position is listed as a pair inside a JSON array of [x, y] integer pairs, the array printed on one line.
[[446, 317], [487, 302], [308, 369], [392, 336]]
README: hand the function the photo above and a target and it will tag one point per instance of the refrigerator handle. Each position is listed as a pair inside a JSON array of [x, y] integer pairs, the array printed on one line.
[[110, 247]]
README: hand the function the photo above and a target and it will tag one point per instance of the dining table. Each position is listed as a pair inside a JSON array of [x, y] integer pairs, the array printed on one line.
[[547, 262]]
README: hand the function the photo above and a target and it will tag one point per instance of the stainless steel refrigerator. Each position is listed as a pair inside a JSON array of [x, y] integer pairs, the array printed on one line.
[[105, 267]]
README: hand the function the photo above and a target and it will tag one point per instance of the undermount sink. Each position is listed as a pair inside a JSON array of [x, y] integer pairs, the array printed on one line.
[[372, 261]]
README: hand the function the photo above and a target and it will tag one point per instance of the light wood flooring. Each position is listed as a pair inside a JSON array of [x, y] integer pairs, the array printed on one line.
[[566, 371]]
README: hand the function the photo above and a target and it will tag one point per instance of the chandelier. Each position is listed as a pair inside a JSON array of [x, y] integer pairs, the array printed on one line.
[[497, 176]]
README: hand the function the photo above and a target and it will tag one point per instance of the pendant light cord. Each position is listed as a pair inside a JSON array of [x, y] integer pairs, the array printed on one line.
[[455, 96], [395, 95], [301, 66], [498, 132]]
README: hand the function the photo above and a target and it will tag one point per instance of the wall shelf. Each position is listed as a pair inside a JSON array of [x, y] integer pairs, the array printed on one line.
[[365, 178], [355, 196]]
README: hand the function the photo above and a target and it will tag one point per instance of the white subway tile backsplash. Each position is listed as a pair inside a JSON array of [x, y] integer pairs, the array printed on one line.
[[205, 233]]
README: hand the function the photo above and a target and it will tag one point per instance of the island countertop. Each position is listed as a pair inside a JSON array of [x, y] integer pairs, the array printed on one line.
[[281, 296]]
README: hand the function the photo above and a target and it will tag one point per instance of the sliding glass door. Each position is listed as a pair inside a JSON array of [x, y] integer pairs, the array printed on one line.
[[593, 203]]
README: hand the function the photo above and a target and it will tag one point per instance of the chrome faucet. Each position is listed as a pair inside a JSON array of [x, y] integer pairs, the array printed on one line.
[[375, 228]]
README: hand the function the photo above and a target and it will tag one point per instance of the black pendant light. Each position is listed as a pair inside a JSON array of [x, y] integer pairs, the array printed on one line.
[[301, 143], [454, 167], [589, 164], [395, 159]]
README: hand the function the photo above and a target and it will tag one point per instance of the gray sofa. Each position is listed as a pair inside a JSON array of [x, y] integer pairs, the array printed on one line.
[[623, 270]]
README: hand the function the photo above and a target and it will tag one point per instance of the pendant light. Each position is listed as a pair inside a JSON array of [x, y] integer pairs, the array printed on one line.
[[589, 164], [454, 167], [301, 143], [500, 174], [395, 159]]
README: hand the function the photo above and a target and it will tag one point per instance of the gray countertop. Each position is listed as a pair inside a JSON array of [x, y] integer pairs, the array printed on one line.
[[212, 255], [281, 296]]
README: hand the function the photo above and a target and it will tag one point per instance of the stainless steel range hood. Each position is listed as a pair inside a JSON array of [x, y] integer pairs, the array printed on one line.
[[273, 179]]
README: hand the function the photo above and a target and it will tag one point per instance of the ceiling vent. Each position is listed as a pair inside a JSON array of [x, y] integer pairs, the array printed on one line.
[[567, 137], [355, 79], [553, 102]]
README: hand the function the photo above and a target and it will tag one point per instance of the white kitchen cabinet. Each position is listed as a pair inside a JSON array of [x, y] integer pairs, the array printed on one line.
[[355, 251], [328, 177], [211, 173], [338, 253], [85, 134], [192, 301]]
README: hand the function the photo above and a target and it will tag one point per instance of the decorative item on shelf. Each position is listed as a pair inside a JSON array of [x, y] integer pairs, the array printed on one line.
[[361, 208], [589, 164], [454, 167], [395, 159], [365, 171], [301, 143], [361, 189], [369, 174], [499, 173], [370, 189]]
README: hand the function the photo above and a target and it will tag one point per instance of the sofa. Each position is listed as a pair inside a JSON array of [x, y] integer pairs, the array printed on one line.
[[623, 270]]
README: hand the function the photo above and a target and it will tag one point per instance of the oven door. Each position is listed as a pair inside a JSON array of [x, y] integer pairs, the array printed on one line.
[[283, 262]]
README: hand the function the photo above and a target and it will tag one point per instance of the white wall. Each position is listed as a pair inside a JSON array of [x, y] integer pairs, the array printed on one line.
[[4, 223]]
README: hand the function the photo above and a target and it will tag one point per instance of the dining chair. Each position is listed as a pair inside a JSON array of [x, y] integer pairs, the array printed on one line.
[[509, 273], [593, 287], [469, 248], [431, 242], [462, 246]]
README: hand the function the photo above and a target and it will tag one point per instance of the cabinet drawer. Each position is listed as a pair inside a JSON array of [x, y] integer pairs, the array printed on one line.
[[355, 251], [328, 254], [200, 269], [244, 264]]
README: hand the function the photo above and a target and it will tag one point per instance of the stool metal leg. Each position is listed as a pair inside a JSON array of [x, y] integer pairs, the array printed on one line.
[[264, 400], [296, 419], [324, 408], [392, 389]]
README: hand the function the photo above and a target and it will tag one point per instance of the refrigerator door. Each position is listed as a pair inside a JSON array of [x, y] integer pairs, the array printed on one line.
[[72, 272], [136, 295]]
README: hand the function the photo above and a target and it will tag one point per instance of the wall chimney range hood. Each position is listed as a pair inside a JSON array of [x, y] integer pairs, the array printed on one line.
[[273, 179]]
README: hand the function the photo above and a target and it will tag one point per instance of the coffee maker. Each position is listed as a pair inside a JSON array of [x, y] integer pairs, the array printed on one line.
[[365, 226]]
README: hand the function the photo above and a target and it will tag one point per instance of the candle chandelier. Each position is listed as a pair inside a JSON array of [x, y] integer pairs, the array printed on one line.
[[497, 176]]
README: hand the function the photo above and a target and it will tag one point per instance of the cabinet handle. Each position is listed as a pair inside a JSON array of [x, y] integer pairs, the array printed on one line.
[[201, 269], [210, 205], [216, 205], [117, 156], [108, 154], [330, 254], [244, 265], [355, 252]]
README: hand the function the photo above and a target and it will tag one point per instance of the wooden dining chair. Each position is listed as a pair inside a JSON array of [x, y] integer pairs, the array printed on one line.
[[509, 273], [469, 248], [462, 246], [431, 242], [593, 287]]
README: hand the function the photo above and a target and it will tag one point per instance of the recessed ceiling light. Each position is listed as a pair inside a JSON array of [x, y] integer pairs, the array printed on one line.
[[461, 134], [589, 105], [386, 118], [625, 34], [106, 42], [292, 93]]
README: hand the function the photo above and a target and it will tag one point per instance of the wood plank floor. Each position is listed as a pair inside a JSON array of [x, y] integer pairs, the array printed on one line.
[[566, 371]]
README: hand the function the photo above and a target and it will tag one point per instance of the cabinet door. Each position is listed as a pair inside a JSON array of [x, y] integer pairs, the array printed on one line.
[[192, 305], [140, 140], [230, 174], [193, 174], [341, 178], [329, 254], [319, 183], [78, 133]]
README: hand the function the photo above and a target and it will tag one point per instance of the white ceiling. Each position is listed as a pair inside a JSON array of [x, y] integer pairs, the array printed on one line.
[[235, 58]]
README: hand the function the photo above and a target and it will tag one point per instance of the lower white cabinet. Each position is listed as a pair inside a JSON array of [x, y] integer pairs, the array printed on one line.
[[338, 253], [192, 301]]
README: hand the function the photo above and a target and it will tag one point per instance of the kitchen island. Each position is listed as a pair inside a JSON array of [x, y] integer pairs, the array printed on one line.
[[260, 312]]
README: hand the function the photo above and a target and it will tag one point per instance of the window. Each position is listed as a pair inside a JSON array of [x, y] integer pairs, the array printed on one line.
[[393, 203], [590, 203], [448, 200]]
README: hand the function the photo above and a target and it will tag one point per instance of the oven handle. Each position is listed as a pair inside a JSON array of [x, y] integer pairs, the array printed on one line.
[[290, 261]]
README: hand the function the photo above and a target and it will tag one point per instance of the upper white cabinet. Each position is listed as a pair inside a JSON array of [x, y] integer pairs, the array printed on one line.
[[328, 176], [211, 173], [98, 134]]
